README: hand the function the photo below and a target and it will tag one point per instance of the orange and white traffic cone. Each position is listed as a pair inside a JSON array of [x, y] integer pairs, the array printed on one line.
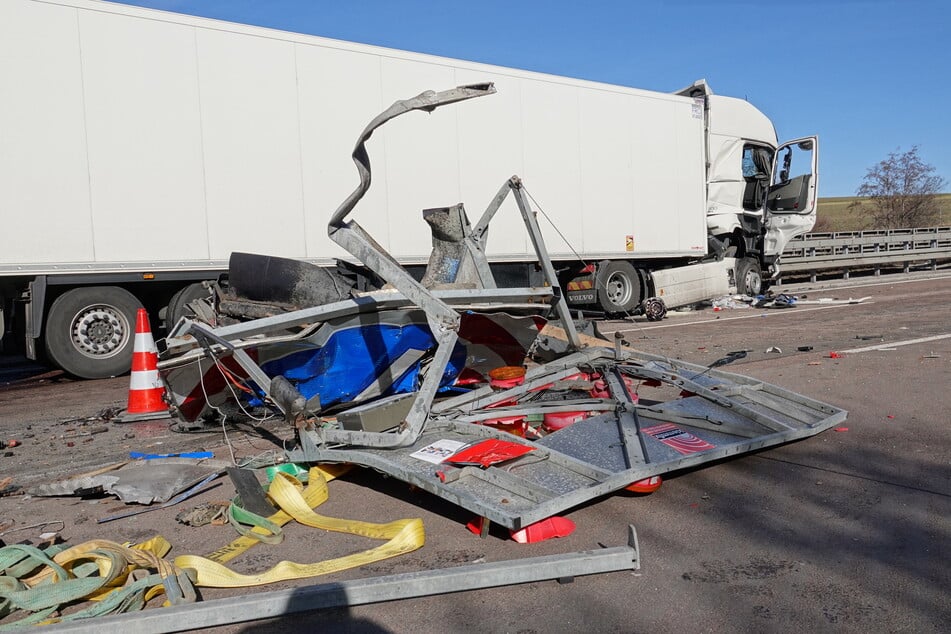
[[145, 386]]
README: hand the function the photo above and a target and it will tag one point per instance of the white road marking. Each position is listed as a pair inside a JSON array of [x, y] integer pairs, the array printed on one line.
[[895, 344], [756, 313]]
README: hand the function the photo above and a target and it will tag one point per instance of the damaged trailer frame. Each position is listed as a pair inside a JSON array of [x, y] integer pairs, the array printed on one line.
[[621, 437]]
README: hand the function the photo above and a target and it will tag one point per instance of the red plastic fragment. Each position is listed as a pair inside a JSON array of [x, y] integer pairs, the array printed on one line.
[[489, 452], [559, 420], [515, 425], [647, 485], [841, 429], [545, 529], [475, 526], [835, 355]]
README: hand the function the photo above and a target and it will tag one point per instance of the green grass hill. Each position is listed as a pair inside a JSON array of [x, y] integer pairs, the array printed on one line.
[[840, 214]]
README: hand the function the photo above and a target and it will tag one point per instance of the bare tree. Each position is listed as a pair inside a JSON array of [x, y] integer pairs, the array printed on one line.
[[902, 191]]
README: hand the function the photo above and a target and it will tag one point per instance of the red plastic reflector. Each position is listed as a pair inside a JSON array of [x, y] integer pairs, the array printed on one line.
[[545, 529], [647, 485]]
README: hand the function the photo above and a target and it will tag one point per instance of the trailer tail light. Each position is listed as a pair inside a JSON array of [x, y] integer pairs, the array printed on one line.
[[148, 276]]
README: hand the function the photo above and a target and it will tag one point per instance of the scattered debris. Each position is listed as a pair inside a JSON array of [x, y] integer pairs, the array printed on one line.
[[729, 358], [784, 301], [775, 349], [804, 348], [61, 524], [204, 514], [870, 337], [137, 482], [184, 495], [835, 355], [729, 302]]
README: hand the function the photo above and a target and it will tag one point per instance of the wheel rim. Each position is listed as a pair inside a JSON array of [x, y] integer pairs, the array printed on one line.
[[99, 331], [619, 289], [754, 283], [654, 309]]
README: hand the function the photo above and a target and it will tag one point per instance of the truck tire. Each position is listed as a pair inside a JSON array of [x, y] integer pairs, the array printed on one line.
[[619, 287], [749, 277], [90, 331], [177, 305]]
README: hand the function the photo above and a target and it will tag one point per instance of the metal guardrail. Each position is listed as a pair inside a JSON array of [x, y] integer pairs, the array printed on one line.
[[814, 253]]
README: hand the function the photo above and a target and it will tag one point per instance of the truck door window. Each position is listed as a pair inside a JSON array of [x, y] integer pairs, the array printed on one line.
[[791, 181], [756, 165]]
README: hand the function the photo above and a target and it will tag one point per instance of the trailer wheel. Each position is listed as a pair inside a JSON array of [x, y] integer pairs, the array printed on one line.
[[90, 331], [749, 277], [177, 306], [619, 287]]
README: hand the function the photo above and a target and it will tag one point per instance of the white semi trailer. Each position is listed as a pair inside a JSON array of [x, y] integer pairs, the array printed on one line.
[[139, 148]]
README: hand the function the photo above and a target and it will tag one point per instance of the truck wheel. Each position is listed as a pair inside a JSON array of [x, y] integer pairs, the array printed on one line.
[[619, 287], [90, 331], [749, 277], [176, 306]]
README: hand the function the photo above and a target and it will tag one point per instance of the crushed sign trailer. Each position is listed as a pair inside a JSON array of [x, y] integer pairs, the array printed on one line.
[[631, 415]]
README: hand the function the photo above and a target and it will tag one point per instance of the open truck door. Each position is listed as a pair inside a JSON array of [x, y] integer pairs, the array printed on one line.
[[792, 198]]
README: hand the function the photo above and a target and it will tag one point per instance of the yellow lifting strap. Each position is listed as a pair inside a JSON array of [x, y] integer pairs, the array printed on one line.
[[297, 502]]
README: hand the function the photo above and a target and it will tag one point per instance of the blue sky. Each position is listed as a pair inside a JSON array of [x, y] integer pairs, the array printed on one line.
[[868, 76]]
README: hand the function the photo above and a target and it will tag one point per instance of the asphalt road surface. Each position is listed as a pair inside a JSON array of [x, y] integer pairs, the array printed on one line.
[[848, 531]]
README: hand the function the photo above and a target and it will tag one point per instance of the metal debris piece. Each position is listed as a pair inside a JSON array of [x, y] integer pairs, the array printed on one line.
[[344, 594], [250, 492], [184, 495], [138, 482]]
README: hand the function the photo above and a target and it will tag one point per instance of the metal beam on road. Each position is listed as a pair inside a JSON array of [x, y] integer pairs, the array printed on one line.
[[363, 591]]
